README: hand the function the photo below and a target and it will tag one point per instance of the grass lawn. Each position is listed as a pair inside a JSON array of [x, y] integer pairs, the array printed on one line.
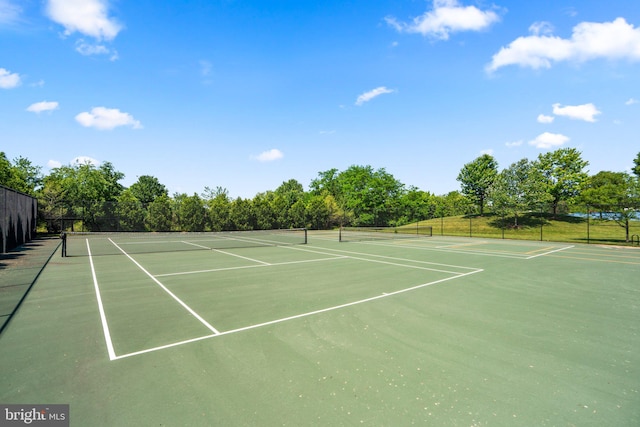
[[534, 226]]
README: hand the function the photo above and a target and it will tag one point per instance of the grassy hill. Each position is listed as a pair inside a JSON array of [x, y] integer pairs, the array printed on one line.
[[533, 226]]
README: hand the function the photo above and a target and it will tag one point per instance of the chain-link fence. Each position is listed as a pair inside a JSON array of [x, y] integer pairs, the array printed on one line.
[[579, 224], [18, 213]]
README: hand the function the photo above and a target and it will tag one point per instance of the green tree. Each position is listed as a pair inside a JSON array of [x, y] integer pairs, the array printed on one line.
[[322, 212], [21, 175], [452, 203], [147, 188], [218, 208], [262, 210], [616, 193], [476, 179], [415, 205], [130, 212], [327, 182], [193, 215], [372, 196], [286, 196], [517, 189], [89, 191], [241, 214], [563, 174], [160, 214], [636, 167]]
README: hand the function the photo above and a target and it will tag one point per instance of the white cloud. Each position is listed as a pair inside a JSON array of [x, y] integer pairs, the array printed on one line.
[[586, 112], [107, 118], [52, 164], [88, 49], [542, 27], [549, 140], [590, 40], [9, 80], [205, 68], [514, 144], [88, 17], [631, 101], [39, 107], [368, 96], [80, 160], [447, 17], [545, 119], [9, 12], [269, 156], [83, 160]]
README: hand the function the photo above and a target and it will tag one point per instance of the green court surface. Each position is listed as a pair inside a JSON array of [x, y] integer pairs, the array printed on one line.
[[423, 331]]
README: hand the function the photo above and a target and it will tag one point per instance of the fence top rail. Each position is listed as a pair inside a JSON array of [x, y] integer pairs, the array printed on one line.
[[16, 191]]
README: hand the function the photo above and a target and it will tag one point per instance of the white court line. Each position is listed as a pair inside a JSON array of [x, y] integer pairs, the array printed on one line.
[[298, 316], [103, 317], [455, 245], [425, 248], [386, 257], [182, 303], [213, 270], [226, 253], [550, 252]]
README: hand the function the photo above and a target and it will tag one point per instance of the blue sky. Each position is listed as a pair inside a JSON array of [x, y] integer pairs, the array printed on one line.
[[245, 95]]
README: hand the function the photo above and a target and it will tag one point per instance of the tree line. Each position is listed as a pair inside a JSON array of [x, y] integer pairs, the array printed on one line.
[[87, 197], [556, 180]]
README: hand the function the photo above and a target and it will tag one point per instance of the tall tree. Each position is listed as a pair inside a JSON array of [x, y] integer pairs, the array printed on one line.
[[21, 175], [563, 174], [636, 167], [160, 214], [88, 192], [616, 193], [218, 208], [147, 188], [477, 177], [241, 214], [130, 212], [517, 189], [192, 214], [371, 195]]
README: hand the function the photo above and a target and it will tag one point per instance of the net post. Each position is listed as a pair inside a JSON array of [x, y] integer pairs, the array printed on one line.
[[305, 236], [63, 236], [340, 234]]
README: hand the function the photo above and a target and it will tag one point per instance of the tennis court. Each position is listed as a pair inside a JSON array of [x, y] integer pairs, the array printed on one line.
[[293, 329]]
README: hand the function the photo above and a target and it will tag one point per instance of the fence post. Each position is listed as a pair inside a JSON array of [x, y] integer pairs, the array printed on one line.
[[588, 220], [541, 221]]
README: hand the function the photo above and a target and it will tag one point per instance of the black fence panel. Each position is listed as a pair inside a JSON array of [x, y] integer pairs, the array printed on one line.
[[18, 215]]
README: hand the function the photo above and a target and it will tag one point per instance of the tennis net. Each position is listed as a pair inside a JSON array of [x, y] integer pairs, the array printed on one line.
[[118, 243], [358, 234]]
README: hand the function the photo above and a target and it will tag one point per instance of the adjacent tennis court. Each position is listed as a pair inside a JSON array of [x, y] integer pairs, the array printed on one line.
[[297, 328]]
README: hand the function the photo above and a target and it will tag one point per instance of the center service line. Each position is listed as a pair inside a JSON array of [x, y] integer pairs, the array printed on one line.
[[182, 303]]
